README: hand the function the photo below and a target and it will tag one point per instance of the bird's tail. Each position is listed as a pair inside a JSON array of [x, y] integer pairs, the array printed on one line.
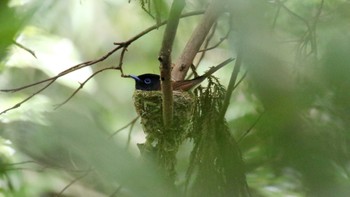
[[191, 84]]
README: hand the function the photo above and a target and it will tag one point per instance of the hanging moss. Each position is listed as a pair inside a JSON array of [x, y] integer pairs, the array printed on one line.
[[216, 165]]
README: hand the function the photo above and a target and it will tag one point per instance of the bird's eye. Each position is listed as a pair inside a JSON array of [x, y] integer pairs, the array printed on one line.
[[147, 81]]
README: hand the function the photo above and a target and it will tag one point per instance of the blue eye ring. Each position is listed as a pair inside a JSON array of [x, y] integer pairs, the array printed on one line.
[[147, 81]]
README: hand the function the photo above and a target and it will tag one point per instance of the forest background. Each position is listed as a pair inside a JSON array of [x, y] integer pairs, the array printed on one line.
[[289, 113]]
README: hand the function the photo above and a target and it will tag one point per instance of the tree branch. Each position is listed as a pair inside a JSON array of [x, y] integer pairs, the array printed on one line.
[[53, 79], [28, 98], [250, 128], [222, 39], [72, 182], [82, 84], [188, 54], [165, 60], [24, 48], [232, 84], [130, 124], [67, 71], [206, 43]]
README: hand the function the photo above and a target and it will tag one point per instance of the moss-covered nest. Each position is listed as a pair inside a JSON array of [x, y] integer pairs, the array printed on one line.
[[148, 105]]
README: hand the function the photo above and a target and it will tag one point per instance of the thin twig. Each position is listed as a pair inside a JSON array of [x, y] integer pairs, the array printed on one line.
[[308, 36], [206, 48], [218, 43], [203, 52], [24, 48], [318, 14], [240, 80], [231, 85], [276, 16], [206, 43], [82, 85], [194, 71], [12, 90], [214, 46], [294, 14], [28, 98], [65, 72], [72, 182], [131, 123], [129, 135], [11, 166], [313, 25], [156, 26], [53, 79], [250, 128], [121, 60]]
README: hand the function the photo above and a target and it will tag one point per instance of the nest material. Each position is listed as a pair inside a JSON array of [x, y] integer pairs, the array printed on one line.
[[148, 105]]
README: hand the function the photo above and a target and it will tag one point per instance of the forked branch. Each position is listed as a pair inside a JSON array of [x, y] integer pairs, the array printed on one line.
[[197, 38]]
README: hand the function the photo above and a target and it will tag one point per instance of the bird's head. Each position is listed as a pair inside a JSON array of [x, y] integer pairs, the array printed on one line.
[[147, 82]]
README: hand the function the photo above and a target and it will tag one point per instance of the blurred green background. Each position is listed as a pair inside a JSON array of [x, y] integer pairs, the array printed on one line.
[[290, 115]]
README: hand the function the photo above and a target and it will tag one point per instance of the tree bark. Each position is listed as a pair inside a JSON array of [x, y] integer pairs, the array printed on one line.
[[165, 61], [198, 36]]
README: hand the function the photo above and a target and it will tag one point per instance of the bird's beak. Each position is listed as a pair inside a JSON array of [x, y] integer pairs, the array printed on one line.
[[135, 77]]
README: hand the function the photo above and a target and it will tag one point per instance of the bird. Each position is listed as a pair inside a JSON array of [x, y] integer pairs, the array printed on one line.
[[151, 82]]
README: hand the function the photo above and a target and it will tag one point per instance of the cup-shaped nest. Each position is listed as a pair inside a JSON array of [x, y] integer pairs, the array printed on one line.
[[148, 105]]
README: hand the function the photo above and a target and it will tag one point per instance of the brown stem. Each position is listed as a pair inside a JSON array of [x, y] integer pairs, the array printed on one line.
[[28, 98], [25, 48], [188, 54], [165, 60], [82, 84]]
